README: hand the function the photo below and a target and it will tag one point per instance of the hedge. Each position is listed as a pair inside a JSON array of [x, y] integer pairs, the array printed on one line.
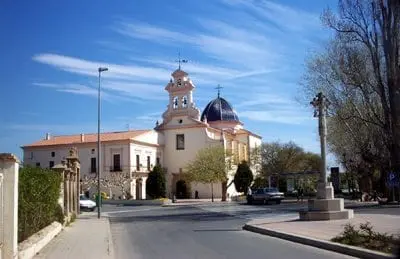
[[39, 191]]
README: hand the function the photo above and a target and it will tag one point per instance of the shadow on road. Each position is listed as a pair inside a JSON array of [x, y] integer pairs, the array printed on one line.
[[194, 216], [216, 230]]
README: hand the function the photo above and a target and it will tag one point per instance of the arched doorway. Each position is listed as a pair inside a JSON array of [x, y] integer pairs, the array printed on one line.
[[139, 189], [182, 190]]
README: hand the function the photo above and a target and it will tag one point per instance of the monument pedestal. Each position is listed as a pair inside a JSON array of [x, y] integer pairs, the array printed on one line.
[[326, 207]]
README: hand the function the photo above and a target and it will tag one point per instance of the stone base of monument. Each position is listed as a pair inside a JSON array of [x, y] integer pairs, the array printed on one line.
[[325, 207]]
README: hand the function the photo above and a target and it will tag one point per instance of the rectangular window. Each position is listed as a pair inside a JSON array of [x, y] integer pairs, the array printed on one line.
[[51, 164], [117, 162], [53, 154], [31, 155], [93, 150], [180, 141], [158, 161], [137, 163], [93, 165], [38, 164], [148, 163]]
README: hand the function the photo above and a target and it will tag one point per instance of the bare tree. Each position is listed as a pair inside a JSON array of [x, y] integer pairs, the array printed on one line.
[[370, 33], [360, 73]]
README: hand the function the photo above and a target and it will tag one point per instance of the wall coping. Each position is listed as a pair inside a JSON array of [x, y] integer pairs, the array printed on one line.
[[8, 157]]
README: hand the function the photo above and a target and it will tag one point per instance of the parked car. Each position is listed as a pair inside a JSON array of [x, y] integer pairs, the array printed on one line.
[[86, 204], [266, 195]]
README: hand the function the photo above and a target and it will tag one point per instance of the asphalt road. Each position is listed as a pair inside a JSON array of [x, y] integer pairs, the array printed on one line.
[[201, 232]]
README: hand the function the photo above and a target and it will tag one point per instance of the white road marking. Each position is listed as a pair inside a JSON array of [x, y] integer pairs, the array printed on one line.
[[249, 212]]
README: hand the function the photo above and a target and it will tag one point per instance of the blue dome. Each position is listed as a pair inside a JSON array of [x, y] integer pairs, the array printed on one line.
[[219, 110]]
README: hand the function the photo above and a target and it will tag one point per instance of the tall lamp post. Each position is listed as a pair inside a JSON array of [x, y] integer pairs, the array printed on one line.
[[101, 69]]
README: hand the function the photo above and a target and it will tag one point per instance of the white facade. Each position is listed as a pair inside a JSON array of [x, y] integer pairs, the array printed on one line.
[[137, 152]]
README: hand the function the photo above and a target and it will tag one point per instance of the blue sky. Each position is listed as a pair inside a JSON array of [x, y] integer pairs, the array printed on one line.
[[256, 50]]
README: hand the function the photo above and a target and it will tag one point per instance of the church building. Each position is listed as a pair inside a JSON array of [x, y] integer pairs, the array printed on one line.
[[172, 143]]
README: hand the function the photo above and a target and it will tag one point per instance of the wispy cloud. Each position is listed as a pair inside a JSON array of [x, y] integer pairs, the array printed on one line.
[[277, 116], [29, 113], [78, 89], [261, 99], [218, 40], [283, 16], [86, 67], [150, 117], [245, 52], [149, 32]]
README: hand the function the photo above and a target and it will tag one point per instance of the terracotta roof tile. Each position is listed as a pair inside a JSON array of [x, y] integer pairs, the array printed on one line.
[[88, 138]]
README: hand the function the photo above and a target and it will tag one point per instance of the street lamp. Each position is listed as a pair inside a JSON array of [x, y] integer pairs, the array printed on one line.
[[101, 69]]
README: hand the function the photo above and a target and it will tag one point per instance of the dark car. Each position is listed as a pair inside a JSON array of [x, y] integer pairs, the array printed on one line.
[[265, 195]]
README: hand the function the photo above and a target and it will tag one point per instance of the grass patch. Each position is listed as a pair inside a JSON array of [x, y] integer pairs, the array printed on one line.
[[366, 237]]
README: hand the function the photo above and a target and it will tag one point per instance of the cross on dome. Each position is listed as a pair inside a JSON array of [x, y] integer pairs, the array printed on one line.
[[218, 88]]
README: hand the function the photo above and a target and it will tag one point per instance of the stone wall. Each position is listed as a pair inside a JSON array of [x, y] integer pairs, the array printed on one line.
[[9, 168]]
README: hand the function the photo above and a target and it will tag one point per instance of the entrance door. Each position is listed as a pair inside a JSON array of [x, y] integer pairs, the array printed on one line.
[[138, 189], [182, 190]]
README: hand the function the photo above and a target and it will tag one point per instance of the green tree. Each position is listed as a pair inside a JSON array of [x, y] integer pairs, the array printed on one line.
[[243, 177], [209, 167], [279, 158], [155, 183]]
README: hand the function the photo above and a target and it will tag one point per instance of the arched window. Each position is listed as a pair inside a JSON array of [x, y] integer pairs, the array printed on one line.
[[184, 101], [175, 102]]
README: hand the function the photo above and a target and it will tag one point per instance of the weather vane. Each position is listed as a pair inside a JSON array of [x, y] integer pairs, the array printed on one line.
[[180, 60], [218, 88]]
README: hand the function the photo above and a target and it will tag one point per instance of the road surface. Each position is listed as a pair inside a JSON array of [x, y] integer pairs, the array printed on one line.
[[208, 231]]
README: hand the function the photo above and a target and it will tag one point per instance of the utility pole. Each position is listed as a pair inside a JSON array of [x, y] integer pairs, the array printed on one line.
[[101, 69]]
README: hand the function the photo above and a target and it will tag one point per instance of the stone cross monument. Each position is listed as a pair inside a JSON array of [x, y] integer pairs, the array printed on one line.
[[325, 207]]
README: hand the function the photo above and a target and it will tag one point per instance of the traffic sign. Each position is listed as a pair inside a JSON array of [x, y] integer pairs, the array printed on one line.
[[393, 179]]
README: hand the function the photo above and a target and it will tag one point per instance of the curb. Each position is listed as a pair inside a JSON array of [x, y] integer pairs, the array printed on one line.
[[327, 245], [30, 247], [110, 248]]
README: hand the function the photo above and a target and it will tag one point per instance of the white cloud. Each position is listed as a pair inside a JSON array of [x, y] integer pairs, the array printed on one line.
[[80, 89], [277, 116], [244, 53], [264, 99], [149, 32], [85, 67], [229, 44], [284, 16], [138, 90]]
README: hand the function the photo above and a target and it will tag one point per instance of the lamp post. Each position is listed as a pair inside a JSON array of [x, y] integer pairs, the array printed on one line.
[[101, 69]]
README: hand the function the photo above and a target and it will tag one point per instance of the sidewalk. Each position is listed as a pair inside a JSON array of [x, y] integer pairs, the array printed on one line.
[[87, 237], [319, 233]]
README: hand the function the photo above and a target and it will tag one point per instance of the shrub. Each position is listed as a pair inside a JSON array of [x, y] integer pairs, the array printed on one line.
[[260, 182], [155, 183], [39, 191], [243, 177], [367, 238], [73, 217]]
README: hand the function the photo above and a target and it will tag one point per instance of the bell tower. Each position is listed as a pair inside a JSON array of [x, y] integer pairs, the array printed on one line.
[[180, 89]]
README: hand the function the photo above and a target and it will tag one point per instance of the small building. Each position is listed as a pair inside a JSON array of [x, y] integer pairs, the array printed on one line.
[[172, 144]]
